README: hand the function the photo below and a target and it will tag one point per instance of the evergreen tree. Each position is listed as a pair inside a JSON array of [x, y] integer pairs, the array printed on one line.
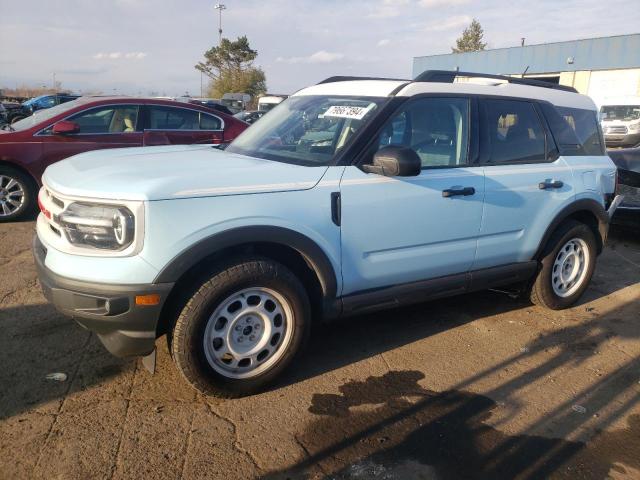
[[471, 39]]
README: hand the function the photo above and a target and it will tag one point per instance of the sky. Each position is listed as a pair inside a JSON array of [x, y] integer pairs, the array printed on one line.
[[151, 46]]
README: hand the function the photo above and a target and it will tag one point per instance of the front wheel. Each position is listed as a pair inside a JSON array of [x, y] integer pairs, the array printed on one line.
[[567, 266], [18, 194], [242, 328]]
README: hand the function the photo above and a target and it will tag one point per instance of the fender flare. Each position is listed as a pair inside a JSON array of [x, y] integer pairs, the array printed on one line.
[[585, 204], [312, 253]]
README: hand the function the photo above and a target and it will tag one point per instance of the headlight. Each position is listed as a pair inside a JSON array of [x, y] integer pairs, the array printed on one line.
[[634, 127], [109, 227]]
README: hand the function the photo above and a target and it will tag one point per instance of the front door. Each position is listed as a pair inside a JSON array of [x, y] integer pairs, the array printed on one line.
[[109, 126], [397, 230]]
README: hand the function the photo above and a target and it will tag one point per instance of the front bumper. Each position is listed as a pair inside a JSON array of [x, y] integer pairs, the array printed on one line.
[[622, 140], [110, 311]]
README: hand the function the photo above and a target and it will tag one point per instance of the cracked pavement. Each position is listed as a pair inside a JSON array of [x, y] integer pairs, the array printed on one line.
[[480, 386]]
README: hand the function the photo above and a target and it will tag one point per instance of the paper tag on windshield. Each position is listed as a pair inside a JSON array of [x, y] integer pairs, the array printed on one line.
[[347, 111]]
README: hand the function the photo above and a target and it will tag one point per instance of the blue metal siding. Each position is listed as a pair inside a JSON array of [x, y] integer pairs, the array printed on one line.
[[605, 53]]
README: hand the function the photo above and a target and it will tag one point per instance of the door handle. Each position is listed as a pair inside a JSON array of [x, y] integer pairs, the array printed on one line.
[[453, 192], [550, 184]]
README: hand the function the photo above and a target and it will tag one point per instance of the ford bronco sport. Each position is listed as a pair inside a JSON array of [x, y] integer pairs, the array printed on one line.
[[353, 195]]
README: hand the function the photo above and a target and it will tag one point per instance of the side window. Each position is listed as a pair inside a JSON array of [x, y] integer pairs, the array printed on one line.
[[109, 119], [47, 102], [437, 129], [209, 122], [514, 132], [172, 118], [584, 125]]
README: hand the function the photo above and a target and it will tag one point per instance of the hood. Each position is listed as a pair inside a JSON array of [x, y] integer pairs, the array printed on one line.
[[170, 172]]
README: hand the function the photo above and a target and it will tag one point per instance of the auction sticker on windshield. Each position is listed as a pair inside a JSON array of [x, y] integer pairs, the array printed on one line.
[[348, 111]]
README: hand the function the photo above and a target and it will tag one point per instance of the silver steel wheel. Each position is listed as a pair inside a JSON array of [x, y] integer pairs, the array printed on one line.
[[12, 195], [570, 267], [248, 332]]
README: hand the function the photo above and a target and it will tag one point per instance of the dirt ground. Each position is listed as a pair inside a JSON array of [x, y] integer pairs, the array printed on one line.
[[479, 386]]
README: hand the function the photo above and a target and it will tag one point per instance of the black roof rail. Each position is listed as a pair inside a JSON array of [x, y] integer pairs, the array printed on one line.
[[448, 76], [347, 79]]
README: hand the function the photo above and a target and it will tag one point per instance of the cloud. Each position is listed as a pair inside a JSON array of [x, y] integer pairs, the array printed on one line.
[[450, 23], [388, 9], [384, 42], [117, 55], [441, 3], [321, 56]]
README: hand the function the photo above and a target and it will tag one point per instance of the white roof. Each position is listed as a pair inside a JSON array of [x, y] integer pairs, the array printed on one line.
[[383, 88], [360, 88]]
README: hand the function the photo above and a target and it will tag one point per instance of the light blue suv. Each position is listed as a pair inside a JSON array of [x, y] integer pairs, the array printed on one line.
[[353, 195]]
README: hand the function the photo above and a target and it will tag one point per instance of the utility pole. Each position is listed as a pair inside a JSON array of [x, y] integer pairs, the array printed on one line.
[[220, 7], [55, 90]]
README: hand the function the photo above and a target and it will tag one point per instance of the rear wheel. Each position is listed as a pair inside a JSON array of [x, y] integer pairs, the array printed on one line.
[[17, 194], [567, 266], [242, 328]]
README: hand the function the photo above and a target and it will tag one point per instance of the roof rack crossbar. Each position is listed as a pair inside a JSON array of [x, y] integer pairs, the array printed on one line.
[[448, 76]]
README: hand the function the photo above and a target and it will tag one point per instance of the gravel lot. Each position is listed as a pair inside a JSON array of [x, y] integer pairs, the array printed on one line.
[[475, 386]]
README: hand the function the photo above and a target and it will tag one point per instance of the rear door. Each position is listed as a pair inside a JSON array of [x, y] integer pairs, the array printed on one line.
[[106, 126], [170, 125], [526, 182]]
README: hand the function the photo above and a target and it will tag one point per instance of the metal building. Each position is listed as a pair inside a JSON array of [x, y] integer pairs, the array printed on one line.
[[599, 67]]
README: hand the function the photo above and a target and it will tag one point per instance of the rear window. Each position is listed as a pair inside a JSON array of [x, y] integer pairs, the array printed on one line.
[[576, 130]]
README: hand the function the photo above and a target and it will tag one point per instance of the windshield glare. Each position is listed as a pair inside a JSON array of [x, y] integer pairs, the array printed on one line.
[[43, 115], [306, 130], [620, 112]]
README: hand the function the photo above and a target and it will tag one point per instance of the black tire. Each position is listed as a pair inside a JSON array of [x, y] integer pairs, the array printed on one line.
[[188, 336], [28, 186], [542, 291]]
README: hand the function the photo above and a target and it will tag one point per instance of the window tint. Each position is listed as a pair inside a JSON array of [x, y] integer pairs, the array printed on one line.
[[514, 132], [437, 129], [209, 122], [111, 119], [584, 126]]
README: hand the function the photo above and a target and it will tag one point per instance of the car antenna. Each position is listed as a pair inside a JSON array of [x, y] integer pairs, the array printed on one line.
[[525, 71]]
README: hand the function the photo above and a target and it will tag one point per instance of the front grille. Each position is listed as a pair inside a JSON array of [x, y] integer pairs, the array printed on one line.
[[620, 130]]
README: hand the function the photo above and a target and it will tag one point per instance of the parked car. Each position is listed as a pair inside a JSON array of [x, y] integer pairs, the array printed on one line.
[[620, 119], [250, 116], [39, 103], [269, 101], [353, 195], [628, 162], [91, 123], [211, 103]]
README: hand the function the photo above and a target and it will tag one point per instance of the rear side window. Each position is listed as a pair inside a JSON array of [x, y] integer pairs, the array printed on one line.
[[576, 130], [172, 118], [513, 133], [584, 124]]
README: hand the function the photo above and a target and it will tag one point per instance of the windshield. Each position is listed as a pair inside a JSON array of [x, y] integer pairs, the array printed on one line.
[[44, 115], [626, 113], [306, 130]]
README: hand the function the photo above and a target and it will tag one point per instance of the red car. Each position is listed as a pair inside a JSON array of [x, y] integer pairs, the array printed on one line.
[[29, 146]]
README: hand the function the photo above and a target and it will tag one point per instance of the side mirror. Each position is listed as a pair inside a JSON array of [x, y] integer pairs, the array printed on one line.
[[393, 161], [65, 127]]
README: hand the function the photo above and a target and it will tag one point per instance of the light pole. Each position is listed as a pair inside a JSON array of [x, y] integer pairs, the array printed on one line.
[[220, 7]]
